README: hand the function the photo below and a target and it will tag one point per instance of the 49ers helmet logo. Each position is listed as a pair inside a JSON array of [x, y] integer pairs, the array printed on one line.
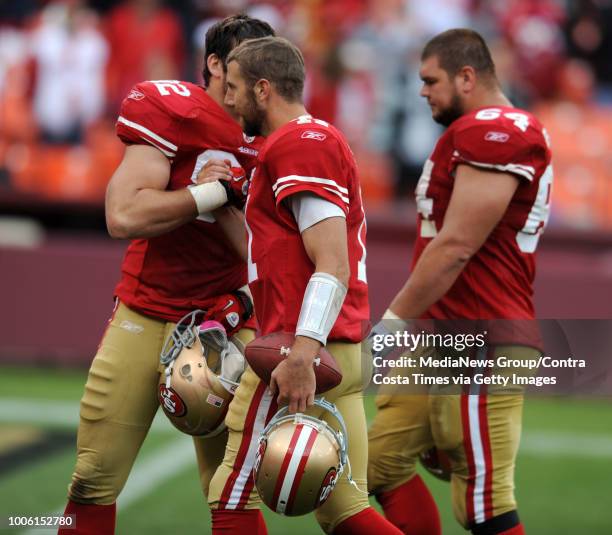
[[171, 402], [329, 482]]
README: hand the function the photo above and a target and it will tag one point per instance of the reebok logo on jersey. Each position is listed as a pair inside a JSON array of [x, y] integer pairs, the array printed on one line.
[[248, 139], [248, 150], [136, 95], [311, 134], [498, 137]]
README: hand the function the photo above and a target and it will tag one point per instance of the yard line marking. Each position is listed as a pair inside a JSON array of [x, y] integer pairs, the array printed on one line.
[[566, 444], [148, 474], [536, 443], [54, 412]]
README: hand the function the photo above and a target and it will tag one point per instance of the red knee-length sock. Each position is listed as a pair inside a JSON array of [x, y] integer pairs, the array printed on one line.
[[516, 530], [243, 522], [411, 508], [90, 519], [366, 522]]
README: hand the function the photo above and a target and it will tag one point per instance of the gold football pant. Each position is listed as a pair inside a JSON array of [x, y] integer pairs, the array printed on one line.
[[118, 406], [232, 486], [479, 430]]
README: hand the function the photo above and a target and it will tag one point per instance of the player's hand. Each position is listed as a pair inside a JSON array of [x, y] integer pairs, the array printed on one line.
[[237, 186], [232, 178], [230, 310], [294, 378], [213, 170]]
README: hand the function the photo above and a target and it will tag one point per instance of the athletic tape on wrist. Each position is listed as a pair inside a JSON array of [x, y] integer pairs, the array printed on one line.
[[321, 305], [209, 196], [397, 322], [390, 315]]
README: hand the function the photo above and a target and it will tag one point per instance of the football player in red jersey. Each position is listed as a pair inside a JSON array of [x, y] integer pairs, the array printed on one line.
[[483, 201], [179, 259], [306, 265]]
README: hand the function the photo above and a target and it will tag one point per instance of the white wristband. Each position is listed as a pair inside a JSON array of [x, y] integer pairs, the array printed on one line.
[[390, 315], [322, 302], [209, 196]]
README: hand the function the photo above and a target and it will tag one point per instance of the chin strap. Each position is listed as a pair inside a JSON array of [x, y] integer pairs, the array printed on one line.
[[343, 435]]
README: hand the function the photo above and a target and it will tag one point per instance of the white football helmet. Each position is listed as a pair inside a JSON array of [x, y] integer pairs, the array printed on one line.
[[299, 460], [203, 369]]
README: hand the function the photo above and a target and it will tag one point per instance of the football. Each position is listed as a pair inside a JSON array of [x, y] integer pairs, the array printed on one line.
[[265, 353]]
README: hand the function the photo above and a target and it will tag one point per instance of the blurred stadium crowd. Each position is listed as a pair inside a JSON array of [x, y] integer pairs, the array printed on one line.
[[66, 65]]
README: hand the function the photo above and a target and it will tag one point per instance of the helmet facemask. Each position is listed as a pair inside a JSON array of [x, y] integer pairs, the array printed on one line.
[[192, 392]]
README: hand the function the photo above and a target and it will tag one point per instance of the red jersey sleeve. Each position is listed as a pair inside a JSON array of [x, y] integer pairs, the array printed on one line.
[[146, 119], [308, 160], [499, 145]]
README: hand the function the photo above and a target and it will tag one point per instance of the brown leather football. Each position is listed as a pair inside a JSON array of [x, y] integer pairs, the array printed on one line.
[[265, 353]]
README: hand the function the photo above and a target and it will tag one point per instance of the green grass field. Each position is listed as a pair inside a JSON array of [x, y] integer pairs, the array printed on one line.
[[564, 474]]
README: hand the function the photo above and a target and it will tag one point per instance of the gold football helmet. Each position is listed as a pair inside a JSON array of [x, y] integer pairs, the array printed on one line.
[[202, 372], [299, 460]]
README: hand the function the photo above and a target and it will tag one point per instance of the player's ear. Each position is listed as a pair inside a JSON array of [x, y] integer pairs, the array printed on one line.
[[215, 66], [262, 90], [467, 78]]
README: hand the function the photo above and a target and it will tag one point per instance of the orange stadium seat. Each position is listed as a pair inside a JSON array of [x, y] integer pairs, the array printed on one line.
[[75, 173], [581, 138], [375, 176]]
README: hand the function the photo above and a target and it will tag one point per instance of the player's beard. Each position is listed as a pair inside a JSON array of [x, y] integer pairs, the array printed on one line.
[[253, 118], [448, 115]]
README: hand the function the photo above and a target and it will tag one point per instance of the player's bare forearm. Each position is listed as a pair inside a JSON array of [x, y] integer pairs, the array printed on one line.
[[137, 202], [231, 221], [478, 203], [326, 246], [436, 271], [150, 213]]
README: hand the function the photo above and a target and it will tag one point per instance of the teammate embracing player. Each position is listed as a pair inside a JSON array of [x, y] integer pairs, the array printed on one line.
[[483, 201], [179, 260]]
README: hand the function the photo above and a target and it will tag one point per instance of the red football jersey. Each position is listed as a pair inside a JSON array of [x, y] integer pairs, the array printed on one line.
[[306, 154], [497, 281], [170, 275]]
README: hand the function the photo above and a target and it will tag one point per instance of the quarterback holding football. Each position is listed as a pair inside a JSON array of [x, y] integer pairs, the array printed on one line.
[[306, 247]]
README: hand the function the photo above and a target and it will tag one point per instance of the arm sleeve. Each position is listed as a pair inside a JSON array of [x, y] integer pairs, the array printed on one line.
[[143, 119], [495, 146], [309, 209], [301, 164]]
